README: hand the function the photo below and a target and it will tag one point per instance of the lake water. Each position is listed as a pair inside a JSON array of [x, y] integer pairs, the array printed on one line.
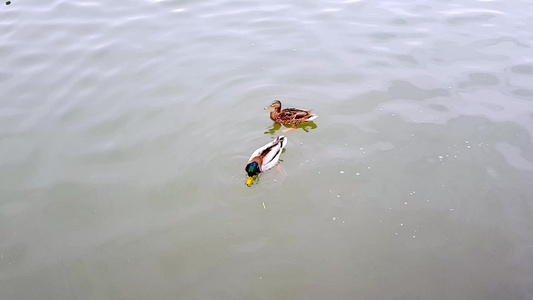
[[125, 127]]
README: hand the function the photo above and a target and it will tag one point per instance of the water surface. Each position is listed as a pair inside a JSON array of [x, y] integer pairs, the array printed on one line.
[[125, 127]]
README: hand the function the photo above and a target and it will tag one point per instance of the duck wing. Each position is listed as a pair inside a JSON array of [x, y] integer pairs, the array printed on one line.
[[269, 154], [296, 114]]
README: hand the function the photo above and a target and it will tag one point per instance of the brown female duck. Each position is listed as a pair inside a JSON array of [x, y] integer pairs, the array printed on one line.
[[289, 116]]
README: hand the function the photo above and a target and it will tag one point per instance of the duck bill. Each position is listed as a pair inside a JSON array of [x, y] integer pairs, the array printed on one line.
[[249, 181], [268, 107]]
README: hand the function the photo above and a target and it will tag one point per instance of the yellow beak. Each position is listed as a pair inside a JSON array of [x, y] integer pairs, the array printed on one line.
[[268, 107], [249, 181]]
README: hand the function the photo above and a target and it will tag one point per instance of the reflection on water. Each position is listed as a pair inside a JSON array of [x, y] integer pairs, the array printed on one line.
[[304, 126], [125, 127]]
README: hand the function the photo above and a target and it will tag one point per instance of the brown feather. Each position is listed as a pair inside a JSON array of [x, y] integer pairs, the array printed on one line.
[[289, 116], [259, 160]]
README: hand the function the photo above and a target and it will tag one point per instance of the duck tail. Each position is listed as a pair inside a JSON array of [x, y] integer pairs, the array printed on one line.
[[283, 140], [312, 117]]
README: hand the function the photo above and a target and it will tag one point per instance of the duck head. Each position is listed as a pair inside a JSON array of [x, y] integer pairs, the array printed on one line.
[[252, 169], [276, 105]]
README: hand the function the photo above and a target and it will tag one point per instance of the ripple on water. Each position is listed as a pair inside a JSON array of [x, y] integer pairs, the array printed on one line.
[[522, 69], [526, 93], [478, 79]]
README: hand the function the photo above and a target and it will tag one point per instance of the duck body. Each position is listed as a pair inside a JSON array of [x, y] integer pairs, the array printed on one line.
[[289, 116], [265, 158]]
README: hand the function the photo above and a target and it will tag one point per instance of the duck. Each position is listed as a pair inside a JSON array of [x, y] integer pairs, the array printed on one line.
[[264, 158], [289, 116]]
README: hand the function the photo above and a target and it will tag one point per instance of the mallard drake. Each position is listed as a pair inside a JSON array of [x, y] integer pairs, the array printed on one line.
[[289, 116], [264, 158]]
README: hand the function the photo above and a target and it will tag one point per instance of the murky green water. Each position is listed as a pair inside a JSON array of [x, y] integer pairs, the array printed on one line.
[[125, 127]]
